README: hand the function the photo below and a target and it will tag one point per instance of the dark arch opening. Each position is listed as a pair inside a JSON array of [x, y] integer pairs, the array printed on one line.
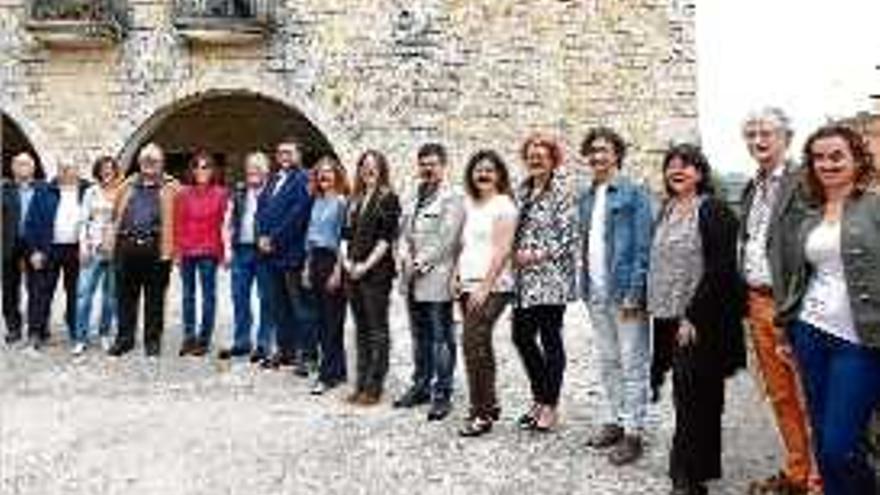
[[228, 125], [14, 141]]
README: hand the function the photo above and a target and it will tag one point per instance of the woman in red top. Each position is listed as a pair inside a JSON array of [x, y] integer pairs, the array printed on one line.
[[199, 212]]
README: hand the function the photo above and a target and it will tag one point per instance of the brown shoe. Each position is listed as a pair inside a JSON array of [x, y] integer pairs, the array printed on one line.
[[627, 451], [778, 484], [608, 436], [369, 399], [354, 397]]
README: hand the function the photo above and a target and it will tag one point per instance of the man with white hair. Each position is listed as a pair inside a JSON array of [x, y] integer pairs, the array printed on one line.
[[144, 237], [774, 189], [51, 237]]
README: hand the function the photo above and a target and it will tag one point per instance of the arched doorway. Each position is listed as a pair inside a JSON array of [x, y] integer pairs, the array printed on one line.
[[227, 124], [14, 141]]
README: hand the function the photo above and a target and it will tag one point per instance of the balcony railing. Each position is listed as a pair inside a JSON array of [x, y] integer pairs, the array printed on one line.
[[223, 21], [78, 23]]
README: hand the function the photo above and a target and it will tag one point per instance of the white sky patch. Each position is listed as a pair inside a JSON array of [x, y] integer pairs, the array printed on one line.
[[813, 58]]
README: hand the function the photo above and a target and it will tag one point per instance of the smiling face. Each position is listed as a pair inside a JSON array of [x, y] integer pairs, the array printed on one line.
[[484, 176], [832, 163], [539, 161], [325, 176], [287, 155], [151, 162], [682, 178], [603, 159], [766, 141], [107, 172], [369, 172], [23, 168], [202, 172], [430, 169]]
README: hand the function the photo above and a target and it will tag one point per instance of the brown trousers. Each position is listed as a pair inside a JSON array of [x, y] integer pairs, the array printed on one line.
[[779, 374], [479, 356]]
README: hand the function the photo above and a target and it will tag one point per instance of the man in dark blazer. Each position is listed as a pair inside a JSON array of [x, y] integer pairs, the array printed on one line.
[[18, 193], [282, 217]]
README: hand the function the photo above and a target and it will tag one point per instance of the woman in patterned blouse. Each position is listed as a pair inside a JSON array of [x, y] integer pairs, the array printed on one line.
[[544, 276]]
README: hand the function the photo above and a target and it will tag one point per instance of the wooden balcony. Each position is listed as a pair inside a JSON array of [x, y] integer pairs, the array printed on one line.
[[223, 21], [77, 23]]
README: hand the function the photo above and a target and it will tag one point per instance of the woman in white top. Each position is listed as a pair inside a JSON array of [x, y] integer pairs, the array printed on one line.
[[95, 238], [831, 302], [485, 279]]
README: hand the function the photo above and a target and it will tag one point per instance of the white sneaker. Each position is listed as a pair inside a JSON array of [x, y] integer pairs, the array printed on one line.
[[78, 349], [106, 342]]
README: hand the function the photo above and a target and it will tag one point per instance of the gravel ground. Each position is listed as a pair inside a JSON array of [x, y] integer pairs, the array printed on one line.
[[96, 425]]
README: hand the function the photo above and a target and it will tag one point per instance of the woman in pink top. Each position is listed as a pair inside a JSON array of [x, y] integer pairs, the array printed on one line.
[[199, 212]]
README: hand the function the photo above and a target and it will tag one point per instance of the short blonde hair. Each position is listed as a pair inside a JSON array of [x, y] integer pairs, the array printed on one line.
[[152, 150], [257, 159]]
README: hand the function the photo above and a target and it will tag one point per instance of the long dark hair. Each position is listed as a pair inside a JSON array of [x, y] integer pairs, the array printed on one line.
[[502, 183], [203, 157], [384, 176], [866, 174], [692, 155]]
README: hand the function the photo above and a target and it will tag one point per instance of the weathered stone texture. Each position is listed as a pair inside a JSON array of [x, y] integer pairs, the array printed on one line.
[[381, 73]]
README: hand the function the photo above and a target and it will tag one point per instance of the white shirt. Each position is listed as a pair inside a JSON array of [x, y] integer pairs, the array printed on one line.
[[97, 219], [756, 265], [67, 217], [598, 268], [826, 303], [476, 242], [247, 235]]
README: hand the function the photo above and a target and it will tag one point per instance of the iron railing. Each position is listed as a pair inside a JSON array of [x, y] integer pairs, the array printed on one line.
[[112, 11], [258, 11]]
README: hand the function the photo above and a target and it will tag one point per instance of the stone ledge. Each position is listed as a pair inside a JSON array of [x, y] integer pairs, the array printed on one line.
[[75, 33]]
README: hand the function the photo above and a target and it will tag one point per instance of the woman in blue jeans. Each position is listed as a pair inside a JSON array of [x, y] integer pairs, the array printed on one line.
[[831, 304], [95, 240]]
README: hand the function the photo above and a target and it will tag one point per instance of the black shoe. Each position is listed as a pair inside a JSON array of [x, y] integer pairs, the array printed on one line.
[[627, 451], [258, 356], [119, 349], [152, 352], [187, 347], [277, 360], [607, 436], [688, 488], [476, 427], [301, 369], [439, 410], [411, 398], [226, 354], [199, 350], [12, 338]]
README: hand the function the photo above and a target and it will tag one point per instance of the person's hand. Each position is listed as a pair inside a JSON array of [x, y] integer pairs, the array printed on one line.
[[38, 260], [264, 244], [687, 333], [334, 281], [526, 257], [478, 298], [629, 313], [226, 262], [357, 271], [306, 277], [84, 255]]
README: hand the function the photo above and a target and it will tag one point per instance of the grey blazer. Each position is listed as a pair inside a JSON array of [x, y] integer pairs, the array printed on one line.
[[432, 237], [860, 248]]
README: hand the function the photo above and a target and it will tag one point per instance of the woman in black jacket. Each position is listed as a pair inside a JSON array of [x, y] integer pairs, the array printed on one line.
[[695, 297]]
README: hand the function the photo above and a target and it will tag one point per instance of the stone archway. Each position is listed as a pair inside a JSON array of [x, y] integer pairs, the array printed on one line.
[[13, 141], [227, 124]]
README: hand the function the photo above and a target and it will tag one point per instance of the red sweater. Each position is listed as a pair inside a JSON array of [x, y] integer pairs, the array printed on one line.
[[198, 222]]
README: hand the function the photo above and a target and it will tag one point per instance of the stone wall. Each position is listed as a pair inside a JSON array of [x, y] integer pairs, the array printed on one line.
[[388, 74]]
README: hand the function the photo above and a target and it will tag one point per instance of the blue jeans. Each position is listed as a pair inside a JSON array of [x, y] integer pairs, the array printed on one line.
[[433, 340], [206, 267], [623, 347], [305, 317], [842, 385], [94, 272], [246, 270]]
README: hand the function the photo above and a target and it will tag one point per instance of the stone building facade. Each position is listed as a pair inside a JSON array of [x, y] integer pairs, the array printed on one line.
[[89, 77]]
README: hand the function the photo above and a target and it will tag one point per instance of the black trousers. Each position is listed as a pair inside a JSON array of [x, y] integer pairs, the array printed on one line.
[[141, 271], [544, 363], [698, 397], [12, 270], [331, 317], [61, 258], [369, 305]]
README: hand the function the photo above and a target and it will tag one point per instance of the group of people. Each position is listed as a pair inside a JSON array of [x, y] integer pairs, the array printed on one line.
[[668, 284]]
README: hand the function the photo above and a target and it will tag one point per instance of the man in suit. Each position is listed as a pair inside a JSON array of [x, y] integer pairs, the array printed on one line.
[[766, 198], [17, 195], [431, 226], [282, 217]]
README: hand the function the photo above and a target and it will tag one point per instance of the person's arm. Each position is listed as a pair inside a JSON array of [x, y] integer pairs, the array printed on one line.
[[643, 220], [296, 209], [503, 230], [387, 227], [226, 231]]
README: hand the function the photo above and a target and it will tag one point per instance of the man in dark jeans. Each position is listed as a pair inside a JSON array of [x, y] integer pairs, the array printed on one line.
[[144, 218], [282, 218], [17, 196], [431, 227]]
